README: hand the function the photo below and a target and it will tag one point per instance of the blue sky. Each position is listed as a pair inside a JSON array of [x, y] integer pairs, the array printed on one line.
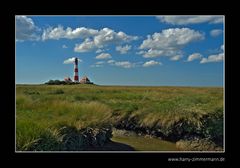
[[122, 50]]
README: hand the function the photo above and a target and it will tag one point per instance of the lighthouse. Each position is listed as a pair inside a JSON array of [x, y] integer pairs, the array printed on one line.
[[76, 79]]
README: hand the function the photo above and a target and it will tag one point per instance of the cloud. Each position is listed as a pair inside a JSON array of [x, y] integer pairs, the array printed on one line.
[[213, 58], [109, 36], [216, 32], [103, 56], [110, 61], [123, 49], [68, 33], [171, 38], [176, 57], [99, 62], [169, 42], [86, 46], [151, 53], [222, 47], [185, 20], [151, 63], [103, 38], [93, 39], [194, 56], [53, 33], [140, 52], [124, 64], [64, 46], [99, 50], [71, 60], [26, 29]]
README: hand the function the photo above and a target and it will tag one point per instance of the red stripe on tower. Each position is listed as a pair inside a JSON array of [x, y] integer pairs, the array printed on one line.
[[76, 70], [75, 78]]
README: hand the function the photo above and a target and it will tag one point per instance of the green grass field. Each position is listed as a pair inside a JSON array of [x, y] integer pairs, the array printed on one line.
[[41, 110]]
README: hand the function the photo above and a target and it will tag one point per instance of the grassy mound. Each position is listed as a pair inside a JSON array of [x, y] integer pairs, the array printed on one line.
[[31, 137]]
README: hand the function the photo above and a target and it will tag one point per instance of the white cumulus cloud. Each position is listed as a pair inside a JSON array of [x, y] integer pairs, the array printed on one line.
[[68, 33], [26, 29], [86, 46], [216, 32], [109, 36], [103, 56], [123, 49], [188, 19], [151, 63], [176, 57], [169, 42], [103, 38], [93, 39], [53, 33], [213, 58], [194, 56], [71, 60]]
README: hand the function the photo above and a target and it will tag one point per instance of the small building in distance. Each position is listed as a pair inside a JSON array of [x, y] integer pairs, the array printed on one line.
[[85, 80], [68, 80]]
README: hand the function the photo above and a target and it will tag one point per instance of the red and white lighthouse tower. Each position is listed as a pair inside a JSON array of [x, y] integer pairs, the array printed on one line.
[[76, 79]]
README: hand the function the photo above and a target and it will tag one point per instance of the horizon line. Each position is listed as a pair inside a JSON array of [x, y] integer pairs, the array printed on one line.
[[131, 85]]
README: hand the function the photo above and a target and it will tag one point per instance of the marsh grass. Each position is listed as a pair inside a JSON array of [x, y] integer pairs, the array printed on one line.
[[43, 109]]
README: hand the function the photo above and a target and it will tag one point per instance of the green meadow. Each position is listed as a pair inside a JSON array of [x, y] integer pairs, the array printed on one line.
[[172, 113]]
